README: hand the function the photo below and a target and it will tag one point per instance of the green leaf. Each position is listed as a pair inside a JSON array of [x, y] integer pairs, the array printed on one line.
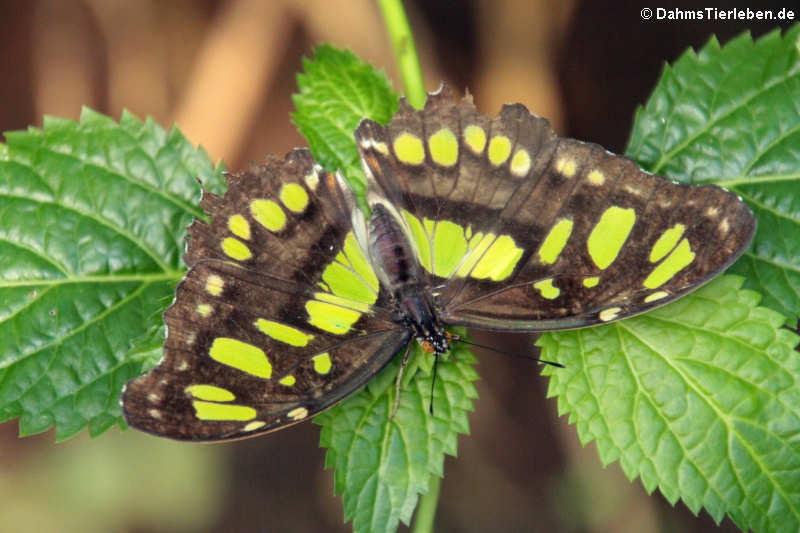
[[381, 466], [698, 398], [92, 228], [729, 115], [336, 91]]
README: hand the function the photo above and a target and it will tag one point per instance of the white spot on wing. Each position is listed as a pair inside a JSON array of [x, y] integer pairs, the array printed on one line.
[[312, 178], [298, 413], [634, 191], [609, 314]]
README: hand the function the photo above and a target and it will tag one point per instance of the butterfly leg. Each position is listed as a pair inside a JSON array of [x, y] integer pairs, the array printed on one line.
[[398, 382]]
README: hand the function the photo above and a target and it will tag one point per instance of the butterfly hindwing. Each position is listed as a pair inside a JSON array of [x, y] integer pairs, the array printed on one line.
[[279, 316], [530, 231]]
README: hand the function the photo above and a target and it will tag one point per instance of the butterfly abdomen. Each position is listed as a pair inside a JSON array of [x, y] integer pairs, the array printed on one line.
[[399, 270], [391, 252]]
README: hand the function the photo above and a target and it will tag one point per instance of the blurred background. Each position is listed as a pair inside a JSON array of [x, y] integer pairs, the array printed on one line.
[[224, 71]]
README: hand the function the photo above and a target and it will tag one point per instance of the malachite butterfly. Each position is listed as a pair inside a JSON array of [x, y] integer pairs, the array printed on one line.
[[294, 299]]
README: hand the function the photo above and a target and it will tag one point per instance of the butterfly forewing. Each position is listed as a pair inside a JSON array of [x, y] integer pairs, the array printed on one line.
[[530, 231], [279, 317]]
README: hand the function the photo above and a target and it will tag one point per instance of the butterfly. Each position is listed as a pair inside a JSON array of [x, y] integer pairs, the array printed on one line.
[[294, 298]]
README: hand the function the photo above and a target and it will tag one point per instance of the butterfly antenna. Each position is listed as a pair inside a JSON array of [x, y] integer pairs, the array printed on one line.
[[456, 338]]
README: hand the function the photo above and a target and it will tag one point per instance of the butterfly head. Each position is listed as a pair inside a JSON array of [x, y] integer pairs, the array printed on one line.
[[417, 314], [426, 327]]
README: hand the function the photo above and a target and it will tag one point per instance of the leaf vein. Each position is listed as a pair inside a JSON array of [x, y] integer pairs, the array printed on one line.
[[38, 254], [103, 222], [725, 420], [26, 305], [714, 121], [110, 309]]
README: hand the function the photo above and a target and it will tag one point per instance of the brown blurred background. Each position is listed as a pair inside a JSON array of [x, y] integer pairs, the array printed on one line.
[[224, 71]]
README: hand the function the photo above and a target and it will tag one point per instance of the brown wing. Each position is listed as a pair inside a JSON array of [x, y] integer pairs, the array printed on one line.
[[520, 229], [279, 317]]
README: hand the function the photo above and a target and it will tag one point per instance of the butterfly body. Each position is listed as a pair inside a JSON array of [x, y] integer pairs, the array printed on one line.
[[294, 300], [401, 274]]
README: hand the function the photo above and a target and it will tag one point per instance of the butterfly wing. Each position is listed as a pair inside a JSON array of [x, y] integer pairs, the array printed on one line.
[[279, 317], [519, 229]]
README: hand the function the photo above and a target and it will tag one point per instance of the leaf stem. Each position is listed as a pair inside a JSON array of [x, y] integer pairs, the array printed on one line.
[[405, 51], [426, 511]]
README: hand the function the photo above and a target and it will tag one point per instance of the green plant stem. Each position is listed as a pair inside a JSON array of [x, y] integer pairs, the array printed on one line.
[[405, 51], [426, 511]]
